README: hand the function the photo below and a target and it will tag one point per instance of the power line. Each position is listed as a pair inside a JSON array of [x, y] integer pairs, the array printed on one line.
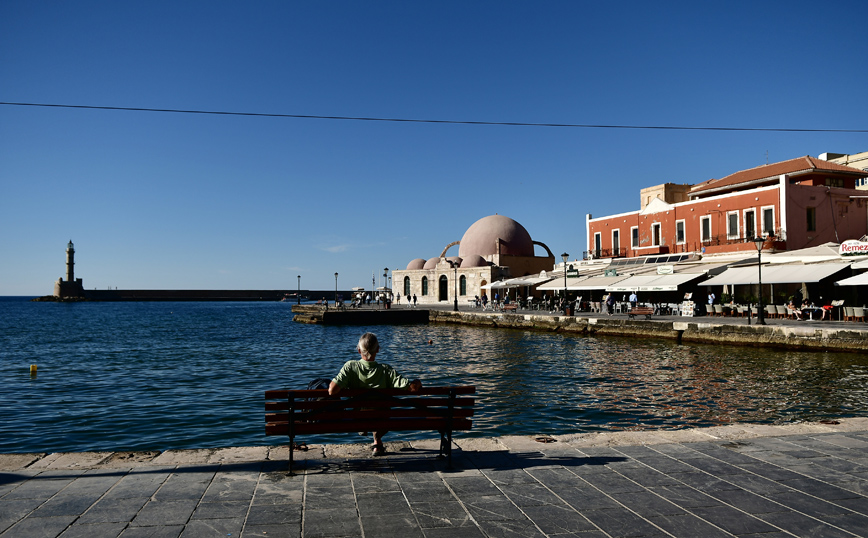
[[449, 122]]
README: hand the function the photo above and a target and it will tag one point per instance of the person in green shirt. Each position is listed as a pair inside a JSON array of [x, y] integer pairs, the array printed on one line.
[[367, 373]]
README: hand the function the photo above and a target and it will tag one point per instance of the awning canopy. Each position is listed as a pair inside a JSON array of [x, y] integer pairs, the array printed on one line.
[[592, 283], [776, 274], [856, 280], [632, 283], [654, 282], [558, 284]]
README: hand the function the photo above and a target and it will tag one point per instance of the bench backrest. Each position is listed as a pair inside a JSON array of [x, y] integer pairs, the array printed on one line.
[[300, 412]]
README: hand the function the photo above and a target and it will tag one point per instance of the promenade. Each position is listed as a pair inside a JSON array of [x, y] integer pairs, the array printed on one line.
[[807, 479], [813, 335]]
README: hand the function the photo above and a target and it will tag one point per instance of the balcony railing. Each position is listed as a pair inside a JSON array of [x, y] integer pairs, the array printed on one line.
[[779, 240]]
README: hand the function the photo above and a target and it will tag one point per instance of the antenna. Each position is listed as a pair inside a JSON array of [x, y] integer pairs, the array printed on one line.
[[767, 156]]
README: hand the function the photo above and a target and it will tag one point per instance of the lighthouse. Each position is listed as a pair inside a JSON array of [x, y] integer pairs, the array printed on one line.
[[72, 288], [70, 262]]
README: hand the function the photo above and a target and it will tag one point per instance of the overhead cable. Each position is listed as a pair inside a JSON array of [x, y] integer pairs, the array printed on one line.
[[450, 122]]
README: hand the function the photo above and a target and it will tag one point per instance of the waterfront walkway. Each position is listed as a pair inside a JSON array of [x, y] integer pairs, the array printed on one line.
[[738, 480]]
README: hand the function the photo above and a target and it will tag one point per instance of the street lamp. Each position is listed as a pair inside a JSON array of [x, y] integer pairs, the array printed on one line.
[[565, 257], [298, 294], [385, 285], [455, 285], [336, 290], [760, 310]]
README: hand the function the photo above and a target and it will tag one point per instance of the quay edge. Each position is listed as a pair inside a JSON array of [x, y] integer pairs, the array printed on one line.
[[794, 336], [706, 332]]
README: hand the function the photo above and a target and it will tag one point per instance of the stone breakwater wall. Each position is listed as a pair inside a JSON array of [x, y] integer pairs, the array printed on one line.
[[317, 315], [803, 337]]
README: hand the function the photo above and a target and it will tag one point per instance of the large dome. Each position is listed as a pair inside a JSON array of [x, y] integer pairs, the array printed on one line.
[[481, 238]]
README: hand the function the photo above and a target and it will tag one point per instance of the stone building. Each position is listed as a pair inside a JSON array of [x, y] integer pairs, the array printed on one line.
[[493, 248], [794, 204]]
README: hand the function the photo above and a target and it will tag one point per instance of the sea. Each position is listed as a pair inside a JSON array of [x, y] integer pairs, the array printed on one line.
[[170, 375]]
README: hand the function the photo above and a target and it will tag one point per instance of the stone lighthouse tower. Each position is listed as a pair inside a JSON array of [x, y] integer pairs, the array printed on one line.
[[70, 262], [71, 287]]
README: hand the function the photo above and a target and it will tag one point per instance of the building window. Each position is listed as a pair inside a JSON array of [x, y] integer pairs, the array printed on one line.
[[749, 223], [679, 232], [705, 225], [812, 219], [406, 286], [616, 242], [424, 286], [768, 220], [655, 234], [462, 285], [732, 225], [634, 234], [598, 244], [835, 182]]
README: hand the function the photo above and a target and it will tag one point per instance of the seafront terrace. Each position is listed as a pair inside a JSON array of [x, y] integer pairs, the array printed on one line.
[[817, 335], [807, 479]]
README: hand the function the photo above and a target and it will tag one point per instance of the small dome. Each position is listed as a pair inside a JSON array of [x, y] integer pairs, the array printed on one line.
[[455, 260], [431, 263], [482, 237], [418, 263], [473, 261]]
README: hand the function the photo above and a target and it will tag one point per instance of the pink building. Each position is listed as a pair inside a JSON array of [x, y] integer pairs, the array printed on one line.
[[796, 204]]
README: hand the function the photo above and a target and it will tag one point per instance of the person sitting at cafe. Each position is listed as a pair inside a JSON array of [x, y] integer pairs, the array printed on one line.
[[795, 310]]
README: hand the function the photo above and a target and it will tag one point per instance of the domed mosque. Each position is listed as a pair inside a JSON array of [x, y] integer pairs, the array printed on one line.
[[493, 248]]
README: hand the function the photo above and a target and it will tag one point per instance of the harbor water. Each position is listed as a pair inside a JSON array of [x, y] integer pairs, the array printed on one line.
[[155, 376]]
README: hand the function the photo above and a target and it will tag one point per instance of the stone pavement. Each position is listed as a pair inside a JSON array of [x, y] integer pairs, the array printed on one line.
[[738, 480]]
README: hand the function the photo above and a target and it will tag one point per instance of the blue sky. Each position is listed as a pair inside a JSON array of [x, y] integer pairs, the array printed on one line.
[[165, 200]]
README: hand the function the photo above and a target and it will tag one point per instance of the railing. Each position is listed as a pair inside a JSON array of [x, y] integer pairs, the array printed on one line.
[[778, 237]]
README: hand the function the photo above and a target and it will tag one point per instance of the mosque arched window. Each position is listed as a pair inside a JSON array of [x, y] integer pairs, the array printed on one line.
[[424, 285], [406, 286], [462, 285]]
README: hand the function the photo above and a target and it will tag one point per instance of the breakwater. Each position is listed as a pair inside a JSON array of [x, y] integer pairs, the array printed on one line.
[[830, 336]]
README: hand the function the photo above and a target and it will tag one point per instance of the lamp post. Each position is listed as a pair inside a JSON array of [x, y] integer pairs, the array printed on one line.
[[385, 286], [760, 310], [336, 290], [565, 257], [455, 279], [298, 294]]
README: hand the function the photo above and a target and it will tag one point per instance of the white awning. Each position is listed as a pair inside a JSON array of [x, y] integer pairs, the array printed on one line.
[[776, 274], [591, 283], [856, 280], [655, 282], [633, 283], [558, 284]]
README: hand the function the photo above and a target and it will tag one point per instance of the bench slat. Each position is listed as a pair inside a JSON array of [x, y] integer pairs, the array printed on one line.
[[282, 428], [340, 416], [319, 393], [335, 403]]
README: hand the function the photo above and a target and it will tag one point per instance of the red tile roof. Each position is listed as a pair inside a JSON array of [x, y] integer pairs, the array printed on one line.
[[772, 171]]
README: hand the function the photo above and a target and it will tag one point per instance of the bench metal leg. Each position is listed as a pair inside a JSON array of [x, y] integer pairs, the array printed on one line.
[[446, 447]]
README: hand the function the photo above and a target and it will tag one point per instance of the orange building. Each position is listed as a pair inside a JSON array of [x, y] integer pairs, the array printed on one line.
[[795, 204]]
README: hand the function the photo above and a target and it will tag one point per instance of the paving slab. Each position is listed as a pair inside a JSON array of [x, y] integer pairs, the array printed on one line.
[[734, 480]]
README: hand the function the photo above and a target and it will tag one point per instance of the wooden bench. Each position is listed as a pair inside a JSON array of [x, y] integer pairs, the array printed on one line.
[[311, 412], [646, 311], [510, 307]]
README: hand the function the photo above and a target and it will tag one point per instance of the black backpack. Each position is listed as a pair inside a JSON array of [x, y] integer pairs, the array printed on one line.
[[319, 383]]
